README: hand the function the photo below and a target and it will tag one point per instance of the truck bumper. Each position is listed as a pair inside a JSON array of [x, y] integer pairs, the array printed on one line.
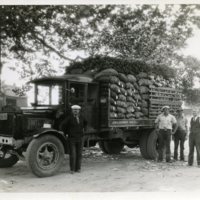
[[6, 140]]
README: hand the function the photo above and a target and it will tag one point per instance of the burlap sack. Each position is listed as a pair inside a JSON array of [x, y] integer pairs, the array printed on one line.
[[138, 114], [121, 84], [113, 109], [115, 88], [130, 109], [115, 80], [121, 110], [130, 92], [106, 72], [145, 111], [121, 116], [131, 78], [130, 99], [121, 104], [122, 97], [130, 116], [145, 96], [136, 86], [113, 102], [123, 91], [137, 109], [123, 77], [113, 115], [144, 104], [137, 96], [144, 89], [129, 103], [142, 75], [129, 85], [146, 82], [114, 95]]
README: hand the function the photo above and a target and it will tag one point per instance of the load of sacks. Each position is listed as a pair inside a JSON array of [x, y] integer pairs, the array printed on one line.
[[129, 94]]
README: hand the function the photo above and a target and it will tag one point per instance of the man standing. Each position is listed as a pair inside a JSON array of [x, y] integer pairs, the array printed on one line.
[[164, 125], [194, 138], [74, 126], [180, 134]]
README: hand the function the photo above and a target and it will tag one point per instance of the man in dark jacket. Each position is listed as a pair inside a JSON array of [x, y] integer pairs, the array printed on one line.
[[74, 126], [194, 138], [180, 134]]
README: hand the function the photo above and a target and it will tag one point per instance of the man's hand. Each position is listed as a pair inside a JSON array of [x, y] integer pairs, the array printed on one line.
[[173, 137], [186, 137]]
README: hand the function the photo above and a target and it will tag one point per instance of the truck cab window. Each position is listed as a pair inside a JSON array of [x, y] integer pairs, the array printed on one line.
[[77, 97], [49, 95]]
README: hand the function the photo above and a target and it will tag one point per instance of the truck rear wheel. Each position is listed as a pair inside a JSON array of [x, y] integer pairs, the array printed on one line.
[[7, 159], [102, 146], [45, 155], [113, 146], [143, 145], [152, 145]]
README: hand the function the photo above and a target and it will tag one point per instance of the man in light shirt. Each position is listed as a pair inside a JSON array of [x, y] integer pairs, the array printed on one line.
[[180, 134], [164, 124]]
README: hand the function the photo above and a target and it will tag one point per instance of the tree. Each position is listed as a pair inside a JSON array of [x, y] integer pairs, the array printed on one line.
[[36, 35]]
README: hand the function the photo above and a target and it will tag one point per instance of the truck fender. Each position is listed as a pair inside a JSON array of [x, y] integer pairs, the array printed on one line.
[[50, 131]]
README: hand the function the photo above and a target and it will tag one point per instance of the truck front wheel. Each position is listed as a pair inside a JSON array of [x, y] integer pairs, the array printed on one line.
[[113, 146], [7, 159], [45, 155]]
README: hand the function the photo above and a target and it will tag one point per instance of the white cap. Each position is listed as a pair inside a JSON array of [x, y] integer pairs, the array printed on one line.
[[165, 107], [76, 107]]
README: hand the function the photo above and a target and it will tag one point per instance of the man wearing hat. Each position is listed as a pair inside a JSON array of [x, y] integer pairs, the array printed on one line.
[[180, 134], [74, 125], [164, 124]]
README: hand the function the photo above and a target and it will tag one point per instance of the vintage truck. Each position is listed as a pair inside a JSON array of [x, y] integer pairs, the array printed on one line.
[[32, 133]]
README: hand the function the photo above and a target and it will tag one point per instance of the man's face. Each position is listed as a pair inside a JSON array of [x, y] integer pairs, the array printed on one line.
[[194, 113], [166, 111], [180, 112], [75, 111]]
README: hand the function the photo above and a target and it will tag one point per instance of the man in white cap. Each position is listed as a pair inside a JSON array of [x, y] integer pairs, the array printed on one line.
[[74, 126], [164, 124]]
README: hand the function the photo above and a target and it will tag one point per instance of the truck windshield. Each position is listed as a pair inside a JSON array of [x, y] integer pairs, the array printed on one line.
[[49, 94]]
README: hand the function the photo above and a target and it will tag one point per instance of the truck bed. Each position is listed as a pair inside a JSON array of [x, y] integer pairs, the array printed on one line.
[[158, 97]]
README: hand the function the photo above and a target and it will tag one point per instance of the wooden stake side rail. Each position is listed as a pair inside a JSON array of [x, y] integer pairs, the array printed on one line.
[[160, 97]]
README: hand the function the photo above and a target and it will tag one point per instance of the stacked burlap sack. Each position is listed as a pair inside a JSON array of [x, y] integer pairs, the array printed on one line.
[[129, 94]]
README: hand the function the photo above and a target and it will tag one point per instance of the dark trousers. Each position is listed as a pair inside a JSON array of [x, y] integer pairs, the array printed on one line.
[[194, 141], [179, 137], [164, 139], [75, 154]]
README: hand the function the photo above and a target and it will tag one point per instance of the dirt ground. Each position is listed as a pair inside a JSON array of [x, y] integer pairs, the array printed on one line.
[[127, 172]]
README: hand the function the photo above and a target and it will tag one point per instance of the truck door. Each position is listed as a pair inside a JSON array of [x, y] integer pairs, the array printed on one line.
[[85, 95], [92, 105]]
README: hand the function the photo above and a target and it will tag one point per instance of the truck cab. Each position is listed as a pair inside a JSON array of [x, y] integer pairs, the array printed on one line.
[[35, 129]]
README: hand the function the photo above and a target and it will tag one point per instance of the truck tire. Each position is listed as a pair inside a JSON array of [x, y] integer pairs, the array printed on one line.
[[45, 155], [152, 145], [102, 146], [8, 160], [113, 146], [143, 145]]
